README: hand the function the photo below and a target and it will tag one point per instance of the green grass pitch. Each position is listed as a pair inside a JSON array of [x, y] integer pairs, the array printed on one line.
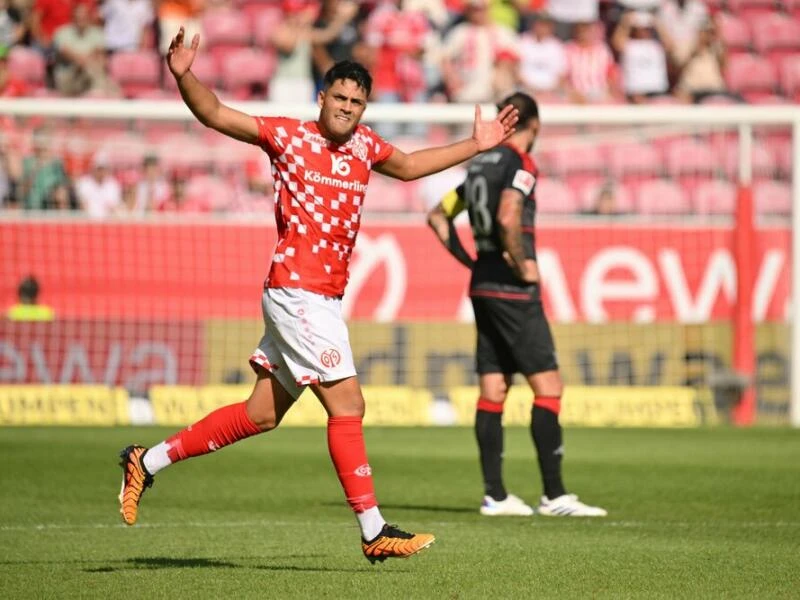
[[693, 514]]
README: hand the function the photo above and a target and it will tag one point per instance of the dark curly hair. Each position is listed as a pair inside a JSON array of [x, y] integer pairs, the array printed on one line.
[[349, 69]]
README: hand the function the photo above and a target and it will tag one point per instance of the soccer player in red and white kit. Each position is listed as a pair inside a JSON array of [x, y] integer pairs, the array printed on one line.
[[321, 169]]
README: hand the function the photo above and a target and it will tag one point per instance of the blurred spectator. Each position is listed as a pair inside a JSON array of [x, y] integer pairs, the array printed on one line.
[[507, 12], [7, 183], [434, 10], [682, 20], [99, 193], [506, 74], [125, 23], [28, 307], [10, 166], [568, 13], [180, 201], [396, 39], [343, 46], [469, 53], [174, 14], [12, 29], [701, 75], [44, 183], [543, 61], [592, 74], [152, 190], [293, 39], [47, 16], [643, 57], [605, 203], [10, 85], [82, 64], [256, 196]]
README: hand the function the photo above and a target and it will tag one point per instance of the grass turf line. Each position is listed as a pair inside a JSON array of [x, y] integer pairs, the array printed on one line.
[[692, 514]]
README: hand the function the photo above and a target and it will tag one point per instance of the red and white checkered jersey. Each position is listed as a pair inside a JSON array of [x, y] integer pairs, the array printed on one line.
[[319, 192]]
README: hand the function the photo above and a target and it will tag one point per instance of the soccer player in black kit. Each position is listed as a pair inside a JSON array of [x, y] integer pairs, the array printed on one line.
[[513, 333]]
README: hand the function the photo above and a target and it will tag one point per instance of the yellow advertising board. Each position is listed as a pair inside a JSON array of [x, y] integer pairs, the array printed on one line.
[[181, 405], [63, 405], [602, 406]]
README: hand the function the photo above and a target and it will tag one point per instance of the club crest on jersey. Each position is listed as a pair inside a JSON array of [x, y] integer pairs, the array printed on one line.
[[358, 148], [330, 358], [524, 181], [339, 165]]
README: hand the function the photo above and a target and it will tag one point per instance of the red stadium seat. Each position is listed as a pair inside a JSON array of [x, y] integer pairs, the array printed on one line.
[[718, 100], [765, 99], [792, 7], [29, 65], [136, 71], [763, 162], [735, 32], [386, 195], [750, 73], [775, 33], [554, 197], [716, 197], [229, 154], [247, 71], [124, 150], [661, 197], [226, 27], [790, 75], [580, 159], [637, 159], [781, 149], [158, 94], [622, 196], [747, 9], [181, 153], [690, 157], [205, 193], [772, 197], [265, 23], [204, 68]]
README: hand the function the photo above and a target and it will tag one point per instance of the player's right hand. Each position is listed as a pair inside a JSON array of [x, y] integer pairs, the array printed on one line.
[[179, 57], [528, 271]]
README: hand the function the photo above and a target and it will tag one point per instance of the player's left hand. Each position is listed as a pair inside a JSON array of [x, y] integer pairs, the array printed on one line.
[[490, 133]]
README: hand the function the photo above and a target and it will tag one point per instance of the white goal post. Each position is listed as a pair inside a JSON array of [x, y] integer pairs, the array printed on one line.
[[741, 118]]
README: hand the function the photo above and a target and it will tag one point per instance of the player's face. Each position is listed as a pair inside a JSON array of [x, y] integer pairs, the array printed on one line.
[[341, 107]]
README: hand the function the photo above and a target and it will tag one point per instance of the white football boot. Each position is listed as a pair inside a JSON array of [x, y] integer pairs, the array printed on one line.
[[512, 506], [568, 505]]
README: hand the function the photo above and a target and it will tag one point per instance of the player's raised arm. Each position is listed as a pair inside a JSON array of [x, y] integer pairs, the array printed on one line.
[[485, 135], [203, 103], [440, 219]]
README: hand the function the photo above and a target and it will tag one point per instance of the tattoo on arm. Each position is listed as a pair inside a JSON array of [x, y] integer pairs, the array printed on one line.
[[510, 221]]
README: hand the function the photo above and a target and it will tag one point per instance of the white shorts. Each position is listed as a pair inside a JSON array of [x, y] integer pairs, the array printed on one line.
[[305, 339]]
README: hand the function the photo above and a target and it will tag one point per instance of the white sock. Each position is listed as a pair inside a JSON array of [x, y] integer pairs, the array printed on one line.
[[371, 522], [156, 458]]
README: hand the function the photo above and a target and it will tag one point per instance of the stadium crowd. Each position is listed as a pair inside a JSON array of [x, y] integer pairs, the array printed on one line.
[[561, 51]]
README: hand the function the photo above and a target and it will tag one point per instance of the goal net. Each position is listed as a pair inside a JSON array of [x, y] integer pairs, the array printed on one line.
[[664, 239]]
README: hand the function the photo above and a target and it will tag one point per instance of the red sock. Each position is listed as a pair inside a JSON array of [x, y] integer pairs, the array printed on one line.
[[349, 456], [489, 406], [216, 430], [551, 403]]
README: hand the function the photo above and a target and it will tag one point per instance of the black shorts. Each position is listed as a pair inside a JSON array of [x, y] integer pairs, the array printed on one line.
[[513, 336]]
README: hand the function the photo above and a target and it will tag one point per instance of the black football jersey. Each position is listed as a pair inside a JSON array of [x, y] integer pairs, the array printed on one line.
[[488, 175]]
